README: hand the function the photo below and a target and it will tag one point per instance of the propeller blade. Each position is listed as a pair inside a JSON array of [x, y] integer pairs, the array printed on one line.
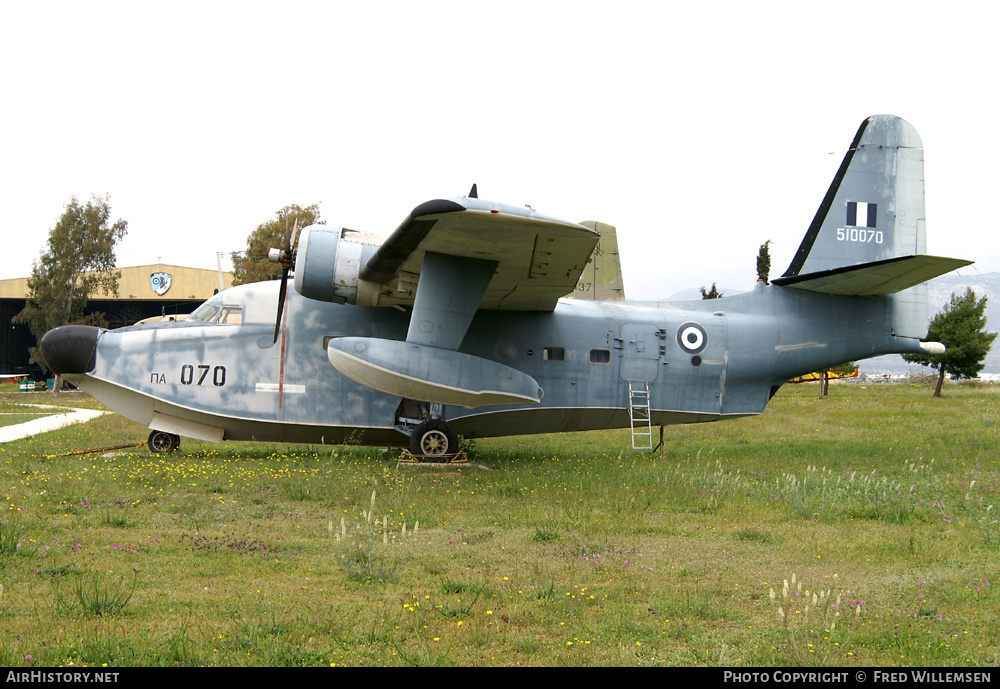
[[293, 238], [281, 301], [287, 260]]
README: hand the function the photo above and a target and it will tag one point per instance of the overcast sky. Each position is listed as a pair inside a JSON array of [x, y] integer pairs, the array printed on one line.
[[700, 130]]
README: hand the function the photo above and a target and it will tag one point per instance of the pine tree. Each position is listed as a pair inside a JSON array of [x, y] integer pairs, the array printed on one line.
[[764, 262], [713, 293], [961, 328]]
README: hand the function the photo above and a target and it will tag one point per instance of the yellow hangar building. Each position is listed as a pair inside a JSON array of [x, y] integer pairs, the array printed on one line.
[[143, 292]]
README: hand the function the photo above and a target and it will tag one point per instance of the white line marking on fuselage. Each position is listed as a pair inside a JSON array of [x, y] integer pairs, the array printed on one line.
[[276, 387]]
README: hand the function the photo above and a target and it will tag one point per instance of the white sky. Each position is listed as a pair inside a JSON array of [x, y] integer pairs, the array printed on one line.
[[699, 129]]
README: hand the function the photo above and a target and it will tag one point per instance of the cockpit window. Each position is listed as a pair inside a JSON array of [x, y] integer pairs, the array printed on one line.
[[231, 315], [214, 313], [206, 313]]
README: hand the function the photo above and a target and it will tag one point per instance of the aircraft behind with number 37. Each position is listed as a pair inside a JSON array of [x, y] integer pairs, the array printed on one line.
[[456, 325]]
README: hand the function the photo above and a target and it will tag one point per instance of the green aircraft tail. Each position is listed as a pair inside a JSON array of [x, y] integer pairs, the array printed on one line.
[[602, 277]]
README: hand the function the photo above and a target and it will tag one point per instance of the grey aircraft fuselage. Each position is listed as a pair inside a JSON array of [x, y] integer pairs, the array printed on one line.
[[583, 355], [454, 325]]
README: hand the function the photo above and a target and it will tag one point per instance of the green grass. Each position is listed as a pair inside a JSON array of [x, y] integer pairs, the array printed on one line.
[[566, 549]]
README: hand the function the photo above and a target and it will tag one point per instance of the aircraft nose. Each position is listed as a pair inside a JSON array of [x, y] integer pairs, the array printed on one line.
[[70, 348]]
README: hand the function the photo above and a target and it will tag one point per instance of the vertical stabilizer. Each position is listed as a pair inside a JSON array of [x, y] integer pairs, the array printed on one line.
[[869, 235], [874, 209], [602, 277]]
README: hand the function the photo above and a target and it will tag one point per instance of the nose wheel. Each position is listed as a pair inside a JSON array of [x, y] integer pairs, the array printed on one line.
[[433, 439], [161, 442]]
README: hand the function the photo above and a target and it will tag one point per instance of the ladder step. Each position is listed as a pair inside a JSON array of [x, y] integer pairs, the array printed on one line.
[[640, 417]]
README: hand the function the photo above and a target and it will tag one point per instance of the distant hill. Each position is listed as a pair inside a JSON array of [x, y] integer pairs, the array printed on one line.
[[939, 291]]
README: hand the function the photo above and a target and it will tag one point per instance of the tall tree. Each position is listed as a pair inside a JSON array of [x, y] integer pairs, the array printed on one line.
[[78, 263], [961, 328], [252, 265], [841, 371], [713, 293], [764, 262]]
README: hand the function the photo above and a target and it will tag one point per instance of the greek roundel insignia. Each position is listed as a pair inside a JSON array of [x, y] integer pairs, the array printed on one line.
[[160, 282], [692, 337]]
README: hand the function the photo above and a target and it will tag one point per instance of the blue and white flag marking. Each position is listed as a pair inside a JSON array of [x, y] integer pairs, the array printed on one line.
[[862, 214]]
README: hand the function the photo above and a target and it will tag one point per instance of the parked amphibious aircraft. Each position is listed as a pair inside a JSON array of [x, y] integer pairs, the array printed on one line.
[[456, 325]]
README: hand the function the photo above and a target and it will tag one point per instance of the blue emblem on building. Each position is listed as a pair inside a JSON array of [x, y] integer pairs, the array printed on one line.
[[160, 282]]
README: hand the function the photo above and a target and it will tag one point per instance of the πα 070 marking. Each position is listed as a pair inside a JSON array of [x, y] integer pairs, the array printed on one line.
[[188, 375]]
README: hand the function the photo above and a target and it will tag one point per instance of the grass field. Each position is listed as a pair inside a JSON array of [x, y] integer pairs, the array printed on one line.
[[856, 530]]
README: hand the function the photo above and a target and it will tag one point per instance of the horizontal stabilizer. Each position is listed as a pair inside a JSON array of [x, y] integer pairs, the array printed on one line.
[[430, 374], [877, 277]]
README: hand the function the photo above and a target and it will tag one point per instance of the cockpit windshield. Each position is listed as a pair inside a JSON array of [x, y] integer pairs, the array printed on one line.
[[214, 312], [206, 313]]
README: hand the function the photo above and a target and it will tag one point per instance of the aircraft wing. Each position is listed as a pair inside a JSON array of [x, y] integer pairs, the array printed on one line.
[[449, 259], [537, 258]]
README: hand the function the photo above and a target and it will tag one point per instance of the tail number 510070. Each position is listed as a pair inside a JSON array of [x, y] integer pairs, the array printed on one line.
[[859, 234], [188, 375]]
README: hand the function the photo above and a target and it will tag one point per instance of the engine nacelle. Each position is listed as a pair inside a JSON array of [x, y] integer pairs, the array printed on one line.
[[328, 261]]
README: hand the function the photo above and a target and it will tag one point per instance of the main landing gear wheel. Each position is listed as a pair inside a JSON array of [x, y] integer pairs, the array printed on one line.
[[162, 442], [433, 439]]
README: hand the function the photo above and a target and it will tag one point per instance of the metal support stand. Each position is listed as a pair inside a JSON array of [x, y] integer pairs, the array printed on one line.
[[410, 458], [662, 445]]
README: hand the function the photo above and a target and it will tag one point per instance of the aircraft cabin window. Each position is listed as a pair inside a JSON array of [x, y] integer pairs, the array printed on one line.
[[553, 353], [600, 356]]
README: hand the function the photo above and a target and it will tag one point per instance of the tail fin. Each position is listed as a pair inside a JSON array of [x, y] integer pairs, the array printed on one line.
[[868, 236], [874, 209], [602, 277]]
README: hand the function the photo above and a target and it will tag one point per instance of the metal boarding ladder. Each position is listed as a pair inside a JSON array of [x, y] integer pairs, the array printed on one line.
[[639, 416]]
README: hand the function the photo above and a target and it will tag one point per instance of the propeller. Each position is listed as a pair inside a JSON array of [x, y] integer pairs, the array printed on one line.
[[286, 257]]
